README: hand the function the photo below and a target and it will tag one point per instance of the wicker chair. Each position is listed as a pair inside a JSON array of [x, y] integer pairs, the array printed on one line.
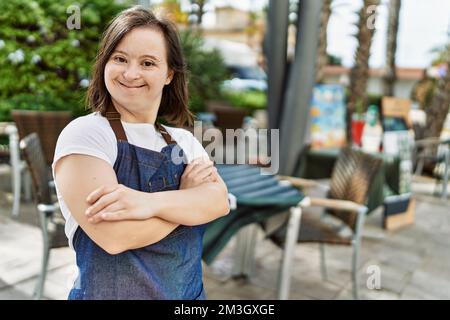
[[350, 182], [47, 124], [50, 218]]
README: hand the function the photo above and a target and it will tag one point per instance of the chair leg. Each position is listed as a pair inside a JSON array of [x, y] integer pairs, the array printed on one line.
[[288, 252], [323, 266], [446, 175], [39, 289], [355, 263]]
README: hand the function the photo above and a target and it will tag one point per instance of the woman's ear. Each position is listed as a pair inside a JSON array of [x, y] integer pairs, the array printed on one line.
[[169, 77]]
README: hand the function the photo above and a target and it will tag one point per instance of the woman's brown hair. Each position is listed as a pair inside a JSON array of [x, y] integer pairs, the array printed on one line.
[[174, 101]]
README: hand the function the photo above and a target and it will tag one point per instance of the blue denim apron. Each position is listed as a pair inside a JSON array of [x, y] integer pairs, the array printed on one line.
[[168, 269]]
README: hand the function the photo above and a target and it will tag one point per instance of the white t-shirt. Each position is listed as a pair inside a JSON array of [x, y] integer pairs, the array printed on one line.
[[92, 135]]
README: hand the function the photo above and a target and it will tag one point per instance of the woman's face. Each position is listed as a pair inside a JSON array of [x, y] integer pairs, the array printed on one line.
[[137, 71]]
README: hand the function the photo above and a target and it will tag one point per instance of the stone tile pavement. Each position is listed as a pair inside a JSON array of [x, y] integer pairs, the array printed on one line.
[[414, 262]]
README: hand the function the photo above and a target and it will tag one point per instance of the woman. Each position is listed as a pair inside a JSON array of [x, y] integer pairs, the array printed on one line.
[[135, 213]]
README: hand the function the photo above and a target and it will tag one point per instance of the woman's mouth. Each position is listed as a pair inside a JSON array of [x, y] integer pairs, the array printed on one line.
[[131, 86]]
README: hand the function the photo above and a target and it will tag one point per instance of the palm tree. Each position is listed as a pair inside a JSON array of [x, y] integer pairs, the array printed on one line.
[[438, 109], [360, 71], [322, 57], [391, 47]]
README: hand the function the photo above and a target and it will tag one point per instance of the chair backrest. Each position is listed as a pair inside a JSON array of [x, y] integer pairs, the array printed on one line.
[[31, 149], [47, 124], [351, 179]]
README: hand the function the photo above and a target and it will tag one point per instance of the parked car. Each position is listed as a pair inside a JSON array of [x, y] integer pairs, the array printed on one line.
[[246, 77], [241, 62]]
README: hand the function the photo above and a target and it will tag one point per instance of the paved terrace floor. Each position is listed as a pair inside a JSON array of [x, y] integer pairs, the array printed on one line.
[[414, 262]]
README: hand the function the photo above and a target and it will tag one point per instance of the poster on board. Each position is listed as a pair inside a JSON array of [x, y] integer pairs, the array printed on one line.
[[328, 116]]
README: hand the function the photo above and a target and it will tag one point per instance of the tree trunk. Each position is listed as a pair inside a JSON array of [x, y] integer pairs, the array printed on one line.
[[322, 57], [200, 12], [360, 71], [438, 109], [391, 47]]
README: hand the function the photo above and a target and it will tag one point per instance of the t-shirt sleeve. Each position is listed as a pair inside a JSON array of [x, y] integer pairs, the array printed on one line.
[[85, 136], [196, 150]]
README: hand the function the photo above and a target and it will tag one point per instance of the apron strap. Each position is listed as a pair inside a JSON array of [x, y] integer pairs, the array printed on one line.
[[167, 137], [114, 120]]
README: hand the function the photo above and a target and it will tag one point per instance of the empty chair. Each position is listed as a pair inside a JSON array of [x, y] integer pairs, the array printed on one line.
[[50, 218], [349, 187]]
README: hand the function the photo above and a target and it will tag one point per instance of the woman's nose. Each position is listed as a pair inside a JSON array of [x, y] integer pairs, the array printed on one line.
[[132, 72]]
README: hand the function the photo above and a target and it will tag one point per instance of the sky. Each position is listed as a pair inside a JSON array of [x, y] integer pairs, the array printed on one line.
[[424, 25]]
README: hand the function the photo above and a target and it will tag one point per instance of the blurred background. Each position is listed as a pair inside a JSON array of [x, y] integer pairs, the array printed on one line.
[[358, 90]]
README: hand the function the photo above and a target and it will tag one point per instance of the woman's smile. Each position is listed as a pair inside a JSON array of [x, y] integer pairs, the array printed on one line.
[[131, 87]]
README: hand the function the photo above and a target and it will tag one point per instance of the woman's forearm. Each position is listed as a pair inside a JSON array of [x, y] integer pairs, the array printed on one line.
[[193, 206]]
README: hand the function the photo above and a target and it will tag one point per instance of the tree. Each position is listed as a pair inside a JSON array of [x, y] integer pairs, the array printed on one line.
[[438, 110], [322, 56], [172, 11], [390, 76], [360, 71], [206, 71], [44, 64]]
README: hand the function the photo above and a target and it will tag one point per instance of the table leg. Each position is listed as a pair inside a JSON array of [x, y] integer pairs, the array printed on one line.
[[245, 251], [288, 252]]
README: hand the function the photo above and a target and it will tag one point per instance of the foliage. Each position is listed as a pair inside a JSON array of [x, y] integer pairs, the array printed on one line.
[[371, 99], [43, 64], [251, 100], [206, 71], [46, 66], [334, 60]]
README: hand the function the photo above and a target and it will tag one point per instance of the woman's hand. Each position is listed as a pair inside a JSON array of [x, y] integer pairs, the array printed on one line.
[[197, 172], [117, 202]]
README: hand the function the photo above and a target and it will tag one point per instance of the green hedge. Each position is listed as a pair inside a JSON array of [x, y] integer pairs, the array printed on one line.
[[46, 66], [43, 64]]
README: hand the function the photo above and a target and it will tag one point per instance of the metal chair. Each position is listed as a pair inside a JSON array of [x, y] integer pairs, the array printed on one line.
[[350, 182], [434, 151], [50, 218], [10, 154]]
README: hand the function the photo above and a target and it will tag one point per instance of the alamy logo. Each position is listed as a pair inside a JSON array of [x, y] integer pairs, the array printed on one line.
[[239, 146], [371, 12], [74, 20], [374, 279]]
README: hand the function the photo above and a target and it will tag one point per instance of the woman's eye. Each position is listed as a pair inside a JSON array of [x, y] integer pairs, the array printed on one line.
[[148, 63], [119, 59]]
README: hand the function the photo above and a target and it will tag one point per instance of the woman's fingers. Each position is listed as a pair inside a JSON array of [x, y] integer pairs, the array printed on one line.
[[102, 202], [191, 165], [100, 215], [200, 167], [114, 216], [109, 216], [206, 172], [97, 193], [194, 163]]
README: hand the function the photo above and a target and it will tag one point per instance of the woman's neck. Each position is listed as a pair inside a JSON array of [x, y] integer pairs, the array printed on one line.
[[136, 116]]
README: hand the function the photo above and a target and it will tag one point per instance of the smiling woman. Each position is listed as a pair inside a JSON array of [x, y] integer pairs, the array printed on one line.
[[140, 71], [132, 190]]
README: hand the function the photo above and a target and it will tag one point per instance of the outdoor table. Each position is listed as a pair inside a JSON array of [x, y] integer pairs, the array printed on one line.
[[258, 198], [319, 163]]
